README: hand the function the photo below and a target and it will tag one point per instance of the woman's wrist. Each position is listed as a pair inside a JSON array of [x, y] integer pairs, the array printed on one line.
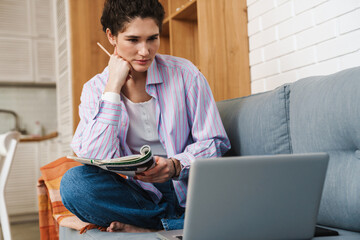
[[116, 88], [177, 167]]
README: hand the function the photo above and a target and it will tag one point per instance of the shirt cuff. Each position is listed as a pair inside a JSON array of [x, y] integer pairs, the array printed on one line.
[[185, 160], [111, 97]]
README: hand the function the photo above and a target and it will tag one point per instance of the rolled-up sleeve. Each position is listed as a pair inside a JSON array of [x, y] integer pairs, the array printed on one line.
[[97, 133], [208, 133]]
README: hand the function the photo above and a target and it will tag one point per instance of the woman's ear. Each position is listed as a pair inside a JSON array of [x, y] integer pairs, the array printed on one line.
[[111, 38]]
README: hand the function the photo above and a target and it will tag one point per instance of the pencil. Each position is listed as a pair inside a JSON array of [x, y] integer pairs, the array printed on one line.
[[108, 53], [103, 49]]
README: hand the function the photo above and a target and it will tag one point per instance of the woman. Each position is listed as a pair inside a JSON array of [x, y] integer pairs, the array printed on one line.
[[141, 98]]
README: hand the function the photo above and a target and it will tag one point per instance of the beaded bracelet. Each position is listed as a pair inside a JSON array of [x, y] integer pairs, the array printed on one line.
[[172, 160]]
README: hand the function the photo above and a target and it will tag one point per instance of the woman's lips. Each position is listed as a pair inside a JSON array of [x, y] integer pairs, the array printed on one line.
[[142, 62]]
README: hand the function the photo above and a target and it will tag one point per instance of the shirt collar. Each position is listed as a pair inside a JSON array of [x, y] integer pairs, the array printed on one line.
[[153, 76]]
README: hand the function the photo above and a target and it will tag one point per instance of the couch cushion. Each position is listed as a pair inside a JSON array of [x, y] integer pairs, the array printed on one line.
[[257, 124], [325, 117], [343, 235], [94, 234]]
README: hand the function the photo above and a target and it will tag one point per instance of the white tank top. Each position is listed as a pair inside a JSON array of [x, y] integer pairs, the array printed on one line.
[[142, 127]]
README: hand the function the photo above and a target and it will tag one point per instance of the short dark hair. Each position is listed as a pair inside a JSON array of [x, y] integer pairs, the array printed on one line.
[[117, 13]]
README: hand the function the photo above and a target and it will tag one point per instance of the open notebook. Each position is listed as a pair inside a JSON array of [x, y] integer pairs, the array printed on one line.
[[127, 165]]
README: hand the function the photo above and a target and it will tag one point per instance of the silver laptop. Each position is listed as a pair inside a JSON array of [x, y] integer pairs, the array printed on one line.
[[253, 197]]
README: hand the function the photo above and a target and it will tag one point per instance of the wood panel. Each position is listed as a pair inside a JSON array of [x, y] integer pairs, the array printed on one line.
[[165, 39], [184, 39], [224, 54], [237, 43], [165, 4], [177, 5], [87, 58]]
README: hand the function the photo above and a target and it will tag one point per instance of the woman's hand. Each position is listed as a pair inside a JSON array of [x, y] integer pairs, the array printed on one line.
[[118, 73], [162, 172]]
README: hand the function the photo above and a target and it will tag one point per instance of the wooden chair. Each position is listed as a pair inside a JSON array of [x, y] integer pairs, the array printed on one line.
[[8, 142]]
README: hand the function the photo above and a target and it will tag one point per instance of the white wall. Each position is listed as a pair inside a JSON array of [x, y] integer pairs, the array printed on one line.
[[31, 104], [27, 55], [293, 39]]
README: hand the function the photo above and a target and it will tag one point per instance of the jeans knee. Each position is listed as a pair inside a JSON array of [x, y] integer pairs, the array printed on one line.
[[69, 184]]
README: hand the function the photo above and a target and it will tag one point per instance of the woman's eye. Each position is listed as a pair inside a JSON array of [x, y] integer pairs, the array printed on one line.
[[153, 38], [132, 40]]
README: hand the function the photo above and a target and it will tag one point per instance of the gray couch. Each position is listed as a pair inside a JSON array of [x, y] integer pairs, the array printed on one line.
[[316, 114]]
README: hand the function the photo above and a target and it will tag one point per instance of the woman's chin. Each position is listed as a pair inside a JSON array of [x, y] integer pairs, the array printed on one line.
[[140, 69]]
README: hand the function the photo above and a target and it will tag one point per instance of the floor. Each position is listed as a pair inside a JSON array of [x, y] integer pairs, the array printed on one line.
[[25, 231]]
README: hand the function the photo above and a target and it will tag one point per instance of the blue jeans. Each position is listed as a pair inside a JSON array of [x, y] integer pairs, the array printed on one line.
[[101, 197]]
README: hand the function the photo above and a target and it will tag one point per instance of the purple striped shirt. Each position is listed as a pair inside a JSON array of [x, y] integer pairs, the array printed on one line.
[[189, 124]]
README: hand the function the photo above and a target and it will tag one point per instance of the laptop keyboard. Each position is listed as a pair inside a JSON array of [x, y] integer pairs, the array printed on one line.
[[320, 232]]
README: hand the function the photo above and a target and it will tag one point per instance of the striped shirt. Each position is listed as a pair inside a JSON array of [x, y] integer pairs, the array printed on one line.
[[188, 122]]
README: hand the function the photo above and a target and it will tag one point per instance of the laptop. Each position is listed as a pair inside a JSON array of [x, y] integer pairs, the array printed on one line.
[[253, 197]]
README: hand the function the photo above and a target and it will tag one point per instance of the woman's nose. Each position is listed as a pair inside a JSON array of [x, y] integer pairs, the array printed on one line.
[[144, 50]]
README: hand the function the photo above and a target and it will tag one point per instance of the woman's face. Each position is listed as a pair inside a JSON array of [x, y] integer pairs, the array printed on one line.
[[139, 43]]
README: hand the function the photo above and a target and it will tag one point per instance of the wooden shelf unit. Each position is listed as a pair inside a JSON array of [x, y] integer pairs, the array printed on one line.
[[213, 35]]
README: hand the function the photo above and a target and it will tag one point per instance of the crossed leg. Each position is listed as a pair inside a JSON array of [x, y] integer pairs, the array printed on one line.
[[122, 227], [106, 199]]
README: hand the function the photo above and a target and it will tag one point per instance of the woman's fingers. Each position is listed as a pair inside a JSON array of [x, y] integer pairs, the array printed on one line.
[[118, 73], [162, 172]]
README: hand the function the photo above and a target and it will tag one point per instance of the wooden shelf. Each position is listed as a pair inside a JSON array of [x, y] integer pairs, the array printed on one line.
[[29, 84], [38, 139], [165, 38], [184, 31], [166, 29], [188, 11], [213, 35], [165, 4], [179, 5], [166, 21], [184, 40]]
